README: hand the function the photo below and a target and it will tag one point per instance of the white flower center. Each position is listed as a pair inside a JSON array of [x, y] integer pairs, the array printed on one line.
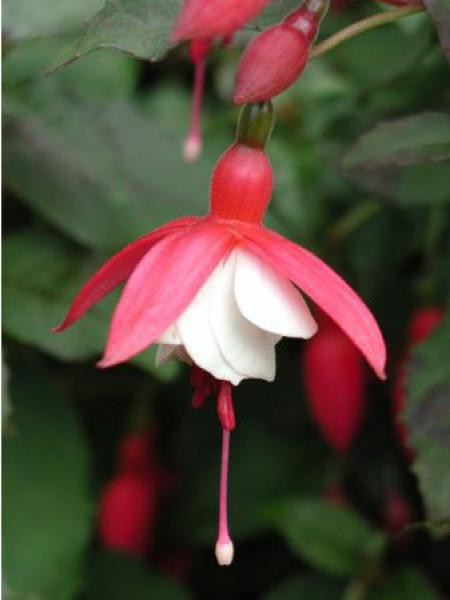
[[231, 327]]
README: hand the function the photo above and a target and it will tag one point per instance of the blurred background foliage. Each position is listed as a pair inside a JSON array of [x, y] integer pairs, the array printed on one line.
[[93, 160]]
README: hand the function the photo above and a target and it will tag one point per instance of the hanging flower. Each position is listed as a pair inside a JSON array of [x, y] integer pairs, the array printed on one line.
[[220, 291], [202, 22], [200, 19], [336, 392], [276, 58]]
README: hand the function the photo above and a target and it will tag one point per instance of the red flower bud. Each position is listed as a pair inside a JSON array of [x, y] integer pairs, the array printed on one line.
[[127, 511], [334, 377], [270, 64], [214, 18]]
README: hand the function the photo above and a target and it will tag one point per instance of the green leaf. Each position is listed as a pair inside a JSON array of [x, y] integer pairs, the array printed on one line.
[[415, 185], [393, 52], [334, 539], [117, 576], [406, 584], [42, 275], [103, 175], [47, 512], [311, 586], [24, 19], [407, 141], [138, 27], [100, 77], [440, 13], [427, 415]]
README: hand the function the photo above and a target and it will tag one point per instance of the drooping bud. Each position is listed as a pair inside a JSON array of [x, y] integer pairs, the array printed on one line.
[[335, 379], [198, 51], [276, 58], [241, 184], [214, 18]]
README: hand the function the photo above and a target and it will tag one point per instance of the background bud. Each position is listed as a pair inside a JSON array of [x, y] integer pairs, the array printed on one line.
[[334, 377], [270, 64]]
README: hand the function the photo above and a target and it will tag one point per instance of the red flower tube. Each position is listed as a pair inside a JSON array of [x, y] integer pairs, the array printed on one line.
[[276, 58], [335, 380], [220, 291], [214, 18]]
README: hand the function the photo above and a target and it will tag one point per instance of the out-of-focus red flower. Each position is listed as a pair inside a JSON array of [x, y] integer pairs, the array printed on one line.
[[214, 18], [128, 505], [276, 58], [422, 324], [335, 380]]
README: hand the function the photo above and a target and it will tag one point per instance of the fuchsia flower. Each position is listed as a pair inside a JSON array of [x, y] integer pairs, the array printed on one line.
[[201, 22], [220, 291], [276, 58], [200, 19]]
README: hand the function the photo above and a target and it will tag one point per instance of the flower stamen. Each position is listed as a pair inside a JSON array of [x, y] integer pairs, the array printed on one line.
[[225, 410]]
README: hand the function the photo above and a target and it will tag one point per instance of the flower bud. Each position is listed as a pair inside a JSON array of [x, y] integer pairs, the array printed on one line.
[[334, 377], [270, 64], [214, 18], [276, 58], [241, 184]]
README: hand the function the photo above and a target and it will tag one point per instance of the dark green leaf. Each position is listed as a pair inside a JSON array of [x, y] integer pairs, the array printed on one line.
[[92, 172], [47, 512], [440, 13], [332, 538], [417, 185], [309, 586], [118, 576], [428, 418], [407, 141], [407, 584], [138, 27], [102, 76], [24, 19]]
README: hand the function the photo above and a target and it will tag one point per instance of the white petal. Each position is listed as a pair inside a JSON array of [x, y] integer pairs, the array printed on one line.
[[270, 301], [171, 336], [246, 347], [198, 338]]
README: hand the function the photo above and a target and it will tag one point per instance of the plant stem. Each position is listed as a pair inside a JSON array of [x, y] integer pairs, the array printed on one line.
[[365, 25]]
